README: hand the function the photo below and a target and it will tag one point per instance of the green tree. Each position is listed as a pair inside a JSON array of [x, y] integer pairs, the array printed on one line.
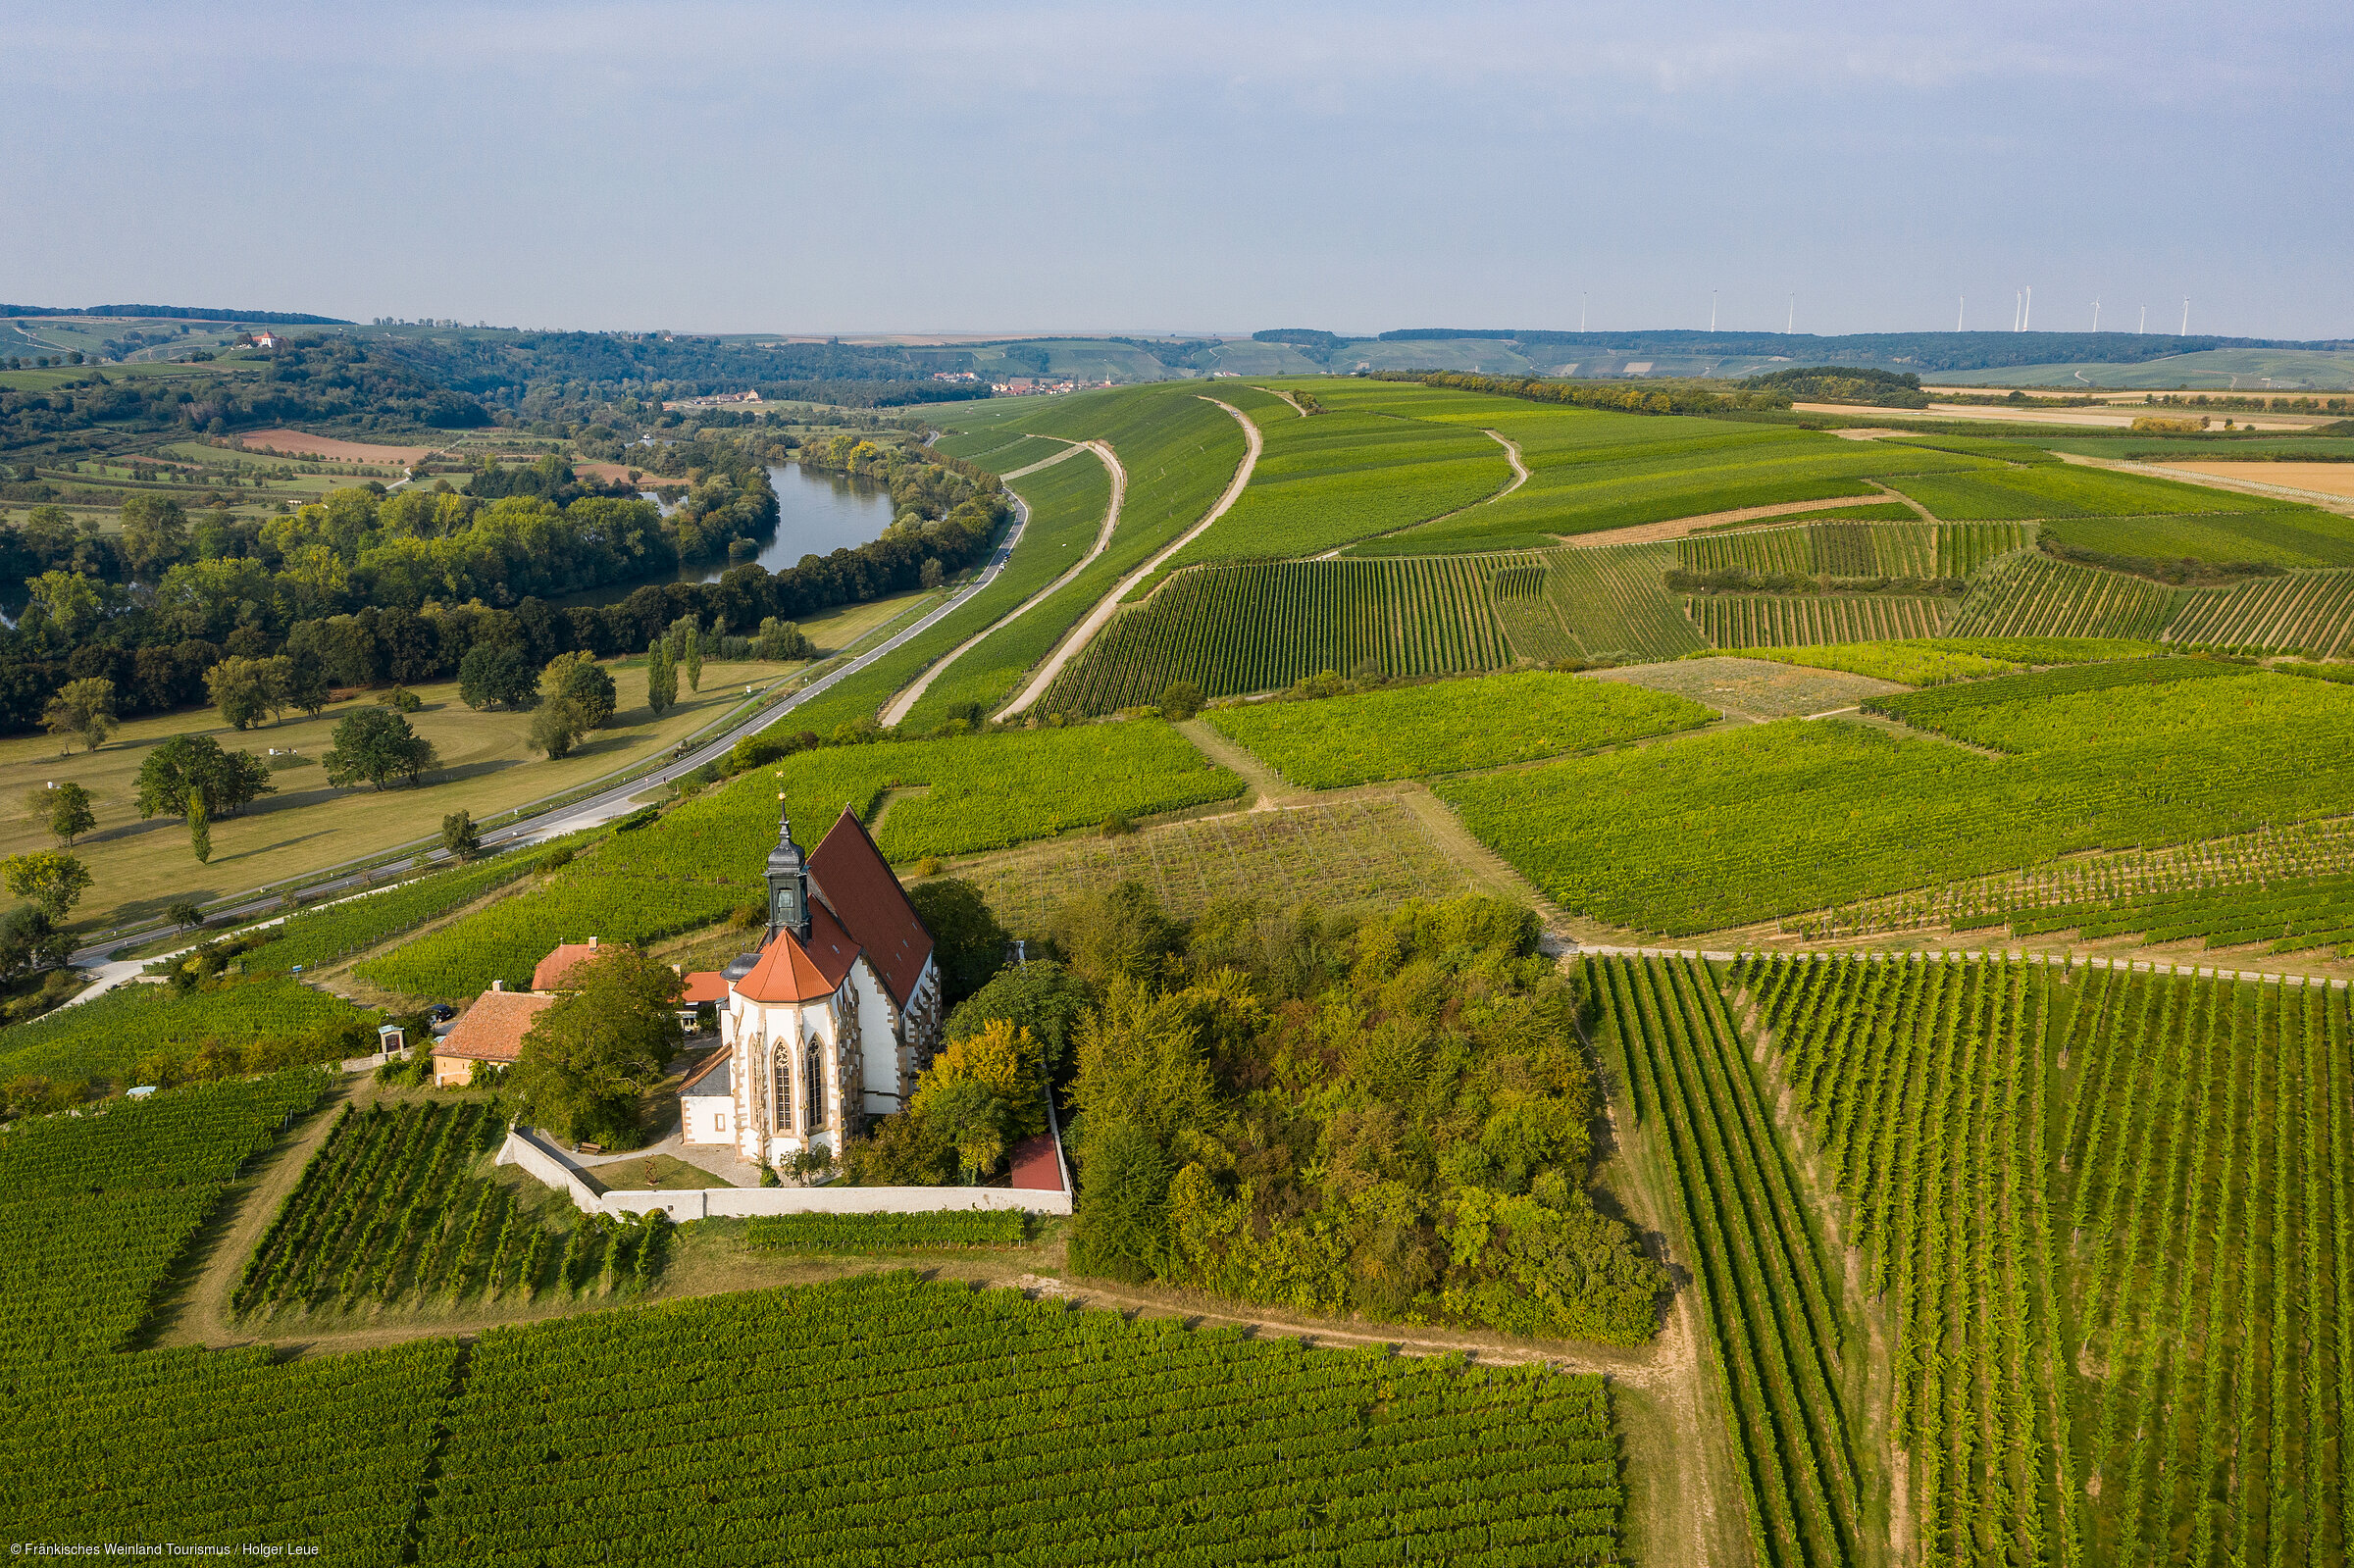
[[489, 675], [50, 877], [556, 726], [82, 710], [30, 939], [67, 601], [967, 941], [781, 640], [188, 769], [461, 835], [375, 744], [982, 1092], [1041, 996], [155, 535], [687, 637], [589, 1057], [1180, 701], [661, 678], [581, 681], [200, 831], [185, 912], [307, 685], [65, 811], [244, 689]]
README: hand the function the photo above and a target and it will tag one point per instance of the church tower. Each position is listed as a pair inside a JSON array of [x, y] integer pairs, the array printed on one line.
[[787, 883]]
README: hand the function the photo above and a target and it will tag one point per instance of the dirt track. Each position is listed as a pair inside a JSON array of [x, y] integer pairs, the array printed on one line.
[[1677, 528]]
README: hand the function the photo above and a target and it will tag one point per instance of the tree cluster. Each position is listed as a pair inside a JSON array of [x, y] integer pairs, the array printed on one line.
[[1843, 384], [1625, 397]]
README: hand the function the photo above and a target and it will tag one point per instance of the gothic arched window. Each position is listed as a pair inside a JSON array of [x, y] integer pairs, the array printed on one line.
[[813, 1097]]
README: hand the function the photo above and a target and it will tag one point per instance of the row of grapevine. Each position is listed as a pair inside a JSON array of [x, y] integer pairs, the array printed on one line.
[[1767, 1305], [1614, 599], [2289, 916], [2108, 1214], [1530, 623], [391, 1209], [2308, 610], [354, 925], [94, 1207], [1046, 1434], [2220, 868], [1253, 627], [888, 1233], [2026, 594], [106, 1036], [1788, 620], [1856, 550]]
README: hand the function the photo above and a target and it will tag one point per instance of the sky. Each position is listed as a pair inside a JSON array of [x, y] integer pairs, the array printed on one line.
[[1199, 167]]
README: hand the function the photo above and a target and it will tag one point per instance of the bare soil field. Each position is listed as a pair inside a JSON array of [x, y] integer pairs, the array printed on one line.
[[297, 443], [2120, 419], [2323, 478]]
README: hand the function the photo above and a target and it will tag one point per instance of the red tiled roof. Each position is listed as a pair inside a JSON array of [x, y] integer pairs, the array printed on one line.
[[555, 972], [705, 986], [492, 1029], [790, 972], [858, 883]]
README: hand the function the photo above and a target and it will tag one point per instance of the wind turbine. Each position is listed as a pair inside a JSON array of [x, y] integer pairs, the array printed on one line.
[[2096, 315], [2185, 333], [1791, 325], [1581, 311], [1960, 309], [2016, 297], [2142, 325], [2029, 314], [1711, 310]]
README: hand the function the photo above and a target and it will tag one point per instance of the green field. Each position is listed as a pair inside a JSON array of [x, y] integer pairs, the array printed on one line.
[[1449, 727], [2053, 492], [2030, 595], [703, 860], [1346, 475], [1239, 629], [2104, 1219], [106, 1036], [1850, 549], [1724, 829], [2284, 539]]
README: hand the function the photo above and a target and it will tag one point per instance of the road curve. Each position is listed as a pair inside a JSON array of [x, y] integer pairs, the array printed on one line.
[[1102, 613], [896, 710], [617, 801]]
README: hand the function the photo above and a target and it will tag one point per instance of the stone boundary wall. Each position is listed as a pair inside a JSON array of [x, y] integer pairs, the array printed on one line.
[[526, 1149]]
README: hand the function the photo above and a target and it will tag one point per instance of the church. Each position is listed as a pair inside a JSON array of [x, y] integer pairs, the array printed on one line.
[[831, 1020]]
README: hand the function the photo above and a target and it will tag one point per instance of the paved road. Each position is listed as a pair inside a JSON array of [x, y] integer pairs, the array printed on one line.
[[616, 801]]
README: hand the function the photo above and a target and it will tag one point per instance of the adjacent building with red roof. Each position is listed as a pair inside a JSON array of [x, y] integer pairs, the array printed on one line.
[[491, 1031], [831, 1018]]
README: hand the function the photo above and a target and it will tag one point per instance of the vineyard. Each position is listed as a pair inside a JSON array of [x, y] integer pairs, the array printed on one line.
[[93, 1209], [391, 1212], [2311, 611], [180, 1448], [1775, 820], [1784, 620], [876, 1234], [1449, 727], [355, 925], [1357, 854], [2287, 854], [1345, 476], [2052, 709], [2068, 491], [1048, 1434], [1614, 601], [105, 1037], [702, 858], [2283, 538], [2106, 1216], [2287, 916], [1253, 627], [1768, 1304], [2029, 595], [1854, 549]]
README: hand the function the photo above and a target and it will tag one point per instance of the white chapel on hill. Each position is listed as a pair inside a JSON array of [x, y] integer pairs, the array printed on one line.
[[834, 1016]]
